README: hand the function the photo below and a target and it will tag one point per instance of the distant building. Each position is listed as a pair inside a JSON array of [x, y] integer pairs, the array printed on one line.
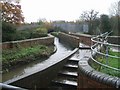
[[71, 26], [85, 28]]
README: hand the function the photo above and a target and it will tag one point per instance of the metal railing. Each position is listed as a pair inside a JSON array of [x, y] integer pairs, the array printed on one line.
[[99, 42]]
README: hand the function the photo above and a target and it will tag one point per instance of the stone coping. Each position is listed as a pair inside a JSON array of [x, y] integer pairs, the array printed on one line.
[[80, 34], [49, 36], [86, 70], [49, 40], [70, 35]]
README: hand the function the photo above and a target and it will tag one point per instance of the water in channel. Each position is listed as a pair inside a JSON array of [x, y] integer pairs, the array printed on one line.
[[62, 50]]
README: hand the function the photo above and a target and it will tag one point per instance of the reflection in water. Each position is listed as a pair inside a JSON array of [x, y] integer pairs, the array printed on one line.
[[25, 69]]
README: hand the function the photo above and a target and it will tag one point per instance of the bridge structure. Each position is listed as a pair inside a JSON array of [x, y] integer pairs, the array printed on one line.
[[73, 69]]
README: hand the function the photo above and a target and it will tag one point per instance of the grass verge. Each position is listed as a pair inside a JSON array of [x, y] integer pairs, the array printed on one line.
[[113, 62], [13, 57]]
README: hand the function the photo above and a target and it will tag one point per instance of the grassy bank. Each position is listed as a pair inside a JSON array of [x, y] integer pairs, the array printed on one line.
[[113, 62], [13, 57]]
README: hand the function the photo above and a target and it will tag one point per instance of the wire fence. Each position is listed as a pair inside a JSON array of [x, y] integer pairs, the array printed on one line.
[[104, 58]]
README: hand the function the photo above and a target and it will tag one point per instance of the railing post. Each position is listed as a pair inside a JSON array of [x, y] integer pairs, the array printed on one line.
[[102, 41]]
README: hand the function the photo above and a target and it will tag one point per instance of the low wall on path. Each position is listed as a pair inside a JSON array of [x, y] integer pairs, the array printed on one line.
[[90, 78], [69, 39], [83, 38], [28, 42]]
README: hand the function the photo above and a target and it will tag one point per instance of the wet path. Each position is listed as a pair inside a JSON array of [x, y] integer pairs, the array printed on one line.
[[62, 50]]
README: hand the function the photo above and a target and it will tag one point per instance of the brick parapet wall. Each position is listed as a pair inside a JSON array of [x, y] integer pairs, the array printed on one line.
[[83, 38], [86, 39], [114, 39], [28, 42], [70, 39], [90, 78]]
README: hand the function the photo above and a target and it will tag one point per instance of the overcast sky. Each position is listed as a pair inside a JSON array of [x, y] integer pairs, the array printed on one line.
[[68, 10]]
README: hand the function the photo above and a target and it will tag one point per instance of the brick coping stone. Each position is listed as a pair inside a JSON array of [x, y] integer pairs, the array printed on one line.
[[88, 71]]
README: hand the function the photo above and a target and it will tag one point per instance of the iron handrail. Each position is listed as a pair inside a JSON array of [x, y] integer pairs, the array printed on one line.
[[109, 44], [103, 42], [105, 54], [105, 65]]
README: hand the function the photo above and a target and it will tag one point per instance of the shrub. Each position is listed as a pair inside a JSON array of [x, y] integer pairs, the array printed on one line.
[[55, 34], [41, 30], [24, 34], [8, 32]]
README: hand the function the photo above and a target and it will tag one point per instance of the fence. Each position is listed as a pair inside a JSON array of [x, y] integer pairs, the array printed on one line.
[[102, 57]]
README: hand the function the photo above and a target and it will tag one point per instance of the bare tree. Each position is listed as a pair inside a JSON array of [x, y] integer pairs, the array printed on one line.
[[90, 17], [12, 1], [114, 9]]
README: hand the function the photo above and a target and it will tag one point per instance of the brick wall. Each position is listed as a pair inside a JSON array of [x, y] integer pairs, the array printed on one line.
[[114, 39], [28, 42], [83, 38], [90, 78], [70, 39]]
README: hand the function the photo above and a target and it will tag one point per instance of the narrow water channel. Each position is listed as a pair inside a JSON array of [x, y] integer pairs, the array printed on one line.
[[62, 50]]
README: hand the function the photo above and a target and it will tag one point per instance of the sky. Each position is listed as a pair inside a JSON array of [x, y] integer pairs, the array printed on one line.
[[69, 10]]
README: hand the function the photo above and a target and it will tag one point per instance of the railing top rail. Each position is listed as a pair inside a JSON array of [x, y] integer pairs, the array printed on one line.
[[105, 54], [109, 44], [105, 65], [105, 35], [102, 42]]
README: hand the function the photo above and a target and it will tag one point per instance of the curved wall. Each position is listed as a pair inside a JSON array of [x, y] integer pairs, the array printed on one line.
[[28, 42], [83, 38], [69, 39], [40, 78], [90, 78]]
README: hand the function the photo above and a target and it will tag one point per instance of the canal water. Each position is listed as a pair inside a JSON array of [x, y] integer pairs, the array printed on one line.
[[62, 50]]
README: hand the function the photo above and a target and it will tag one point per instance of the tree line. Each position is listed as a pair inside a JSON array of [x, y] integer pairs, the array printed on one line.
[[12, 16], [103, 23]]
